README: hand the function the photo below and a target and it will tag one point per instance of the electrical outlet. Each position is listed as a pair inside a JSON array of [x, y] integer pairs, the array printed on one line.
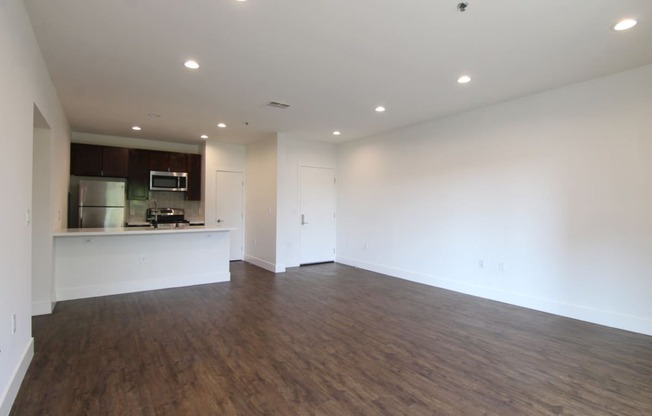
[[501, 266], [143, 259], [28, 217], [13, 323], [366, 246], [481, 263]]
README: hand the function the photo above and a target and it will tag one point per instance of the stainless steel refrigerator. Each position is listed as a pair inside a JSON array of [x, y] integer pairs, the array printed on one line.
[[101, 204]]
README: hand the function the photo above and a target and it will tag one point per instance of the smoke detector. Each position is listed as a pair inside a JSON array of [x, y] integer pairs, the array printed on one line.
[[462, 6]]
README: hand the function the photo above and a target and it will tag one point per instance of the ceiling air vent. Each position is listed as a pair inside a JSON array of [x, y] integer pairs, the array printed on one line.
[[276, 104]]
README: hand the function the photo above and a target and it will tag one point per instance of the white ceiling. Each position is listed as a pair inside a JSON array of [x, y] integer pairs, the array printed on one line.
[[113, 62]]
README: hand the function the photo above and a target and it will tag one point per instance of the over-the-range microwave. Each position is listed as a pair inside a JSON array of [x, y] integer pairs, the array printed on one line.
[[168, 181]]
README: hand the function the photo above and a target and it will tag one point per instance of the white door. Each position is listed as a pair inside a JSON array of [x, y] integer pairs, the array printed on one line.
[[229, 212], [317, 214]]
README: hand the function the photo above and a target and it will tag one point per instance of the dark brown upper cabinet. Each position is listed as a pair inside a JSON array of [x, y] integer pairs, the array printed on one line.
[[194, 178], [168, 161], [138, 181], [135, 165], [115, 161], [92, 160]]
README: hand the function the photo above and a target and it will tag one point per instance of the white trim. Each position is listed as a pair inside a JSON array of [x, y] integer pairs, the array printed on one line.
[[272, 267], [601, 317], [43, 307], [9, 395], [116, 288]]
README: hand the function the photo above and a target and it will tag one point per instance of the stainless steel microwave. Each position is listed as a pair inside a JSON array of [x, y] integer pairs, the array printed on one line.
[[168, 181]]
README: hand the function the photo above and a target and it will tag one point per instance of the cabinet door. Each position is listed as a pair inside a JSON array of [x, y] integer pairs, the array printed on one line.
[[194, 178], [178, 162], [85, 160], [115, 162], [138, 183], [159, 160]]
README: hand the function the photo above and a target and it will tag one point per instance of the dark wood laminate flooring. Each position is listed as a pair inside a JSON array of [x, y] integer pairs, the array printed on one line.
[[327, 340]]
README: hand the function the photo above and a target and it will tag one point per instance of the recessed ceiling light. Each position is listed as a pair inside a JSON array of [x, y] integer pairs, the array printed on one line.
[[136, 128], [464, 79], [336, 133], [625, 24], [221, 125], [191, 64], [203, 136], [380, 109]]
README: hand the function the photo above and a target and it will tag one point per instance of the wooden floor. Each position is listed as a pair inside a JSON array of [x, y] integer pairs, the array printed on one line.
[[327, 340]]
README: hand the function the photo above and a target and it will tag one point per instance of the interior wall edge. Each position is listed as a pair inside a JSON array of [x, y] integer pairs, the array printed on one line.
[[269, 266], [9, 395]]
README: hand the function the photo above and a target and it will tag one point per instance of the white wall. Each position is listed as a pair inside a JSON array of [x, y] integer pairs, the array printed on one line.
[[261, 204], [42, 275], [292, 154], [24, 82], [557, 186], [219, 156]]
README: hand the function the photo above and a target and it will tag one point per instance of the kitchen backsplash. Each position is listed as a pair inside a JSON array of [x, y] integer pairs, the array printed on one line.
[[136, 209]]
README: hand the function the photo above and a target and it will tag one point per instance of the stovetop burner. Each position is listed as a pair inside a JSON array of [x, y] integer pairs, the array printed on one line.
[[168, 217]]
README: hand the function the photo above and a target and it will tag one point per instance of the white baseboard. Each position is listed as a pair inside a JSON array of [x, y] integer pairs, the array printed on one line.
[[583, 313], [9, 395], [272, 267], [44, 307], [81, 292]]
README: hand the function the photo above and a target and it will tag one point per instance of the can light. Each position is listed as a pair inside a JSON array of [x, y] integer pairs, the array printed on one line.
[[336, 133], [203, 136], [464, 79], [190, 64], [136, 128], [380, 109], [221, 125], [625, 24]]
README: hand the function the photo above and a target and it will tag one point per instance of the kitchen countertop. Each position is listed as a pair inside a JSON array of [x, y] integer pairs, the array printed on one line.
[[87, 232]]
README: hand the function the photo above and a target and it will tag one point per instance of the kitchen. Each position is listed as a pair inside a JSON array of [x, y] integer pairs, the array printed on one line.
[[271, 238], [37, 128], [120, 229]]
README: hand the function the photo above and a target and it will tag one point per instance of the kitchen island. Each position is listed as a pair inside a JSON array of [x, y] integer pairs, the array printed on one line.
[[91, 262]]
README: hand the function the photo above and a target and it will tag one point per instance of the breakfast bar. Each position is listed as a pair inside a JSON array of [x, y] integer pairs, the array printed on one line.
[[91, 262]]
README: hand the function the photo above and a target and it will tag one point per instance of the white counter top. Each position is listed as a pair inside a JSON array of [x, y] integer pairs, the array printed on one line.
[[86, 232]]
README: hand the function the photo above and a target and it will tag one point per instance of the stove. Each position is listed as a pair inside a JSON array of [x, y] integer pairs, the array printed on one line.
[[167, 217]]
